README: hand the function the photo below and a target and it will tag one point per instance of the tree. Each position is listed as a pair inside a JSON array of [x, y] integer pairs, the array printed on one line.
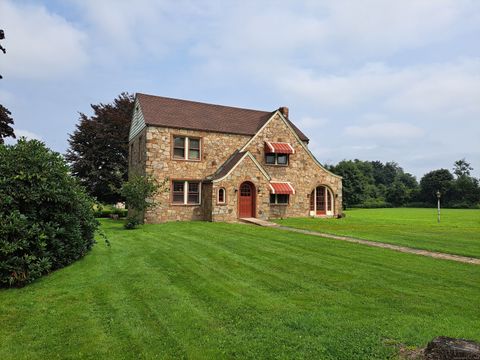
[[139, 191], [353, 184], [436, 180], [46, 218], [5, 121], [461, 168], [98, 153]]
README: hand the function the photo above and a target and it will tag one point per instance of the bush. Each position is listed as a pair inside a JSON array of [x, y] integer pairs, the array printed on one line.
[[139, 191], [107, 212], [46, 219], [373, 204]]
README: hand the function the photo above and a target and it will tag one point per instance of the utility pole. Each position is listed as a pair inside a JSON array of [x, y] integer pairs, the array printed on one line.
[[2, 36]]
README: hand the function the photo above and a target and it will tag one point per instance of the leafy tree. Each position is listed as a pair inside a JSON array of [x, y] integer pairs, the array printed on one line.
[[437, 180], [354, 183], [46, 219], [98, 153], [466, 192], [139, 192], [5, 121], [461, 168], [397, 194]]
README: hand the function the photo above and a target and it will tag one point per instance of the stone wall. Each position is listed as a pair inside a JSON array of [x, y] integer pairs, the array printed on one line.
[[151, 153], [302, 171], [216, 148], [245, 171]]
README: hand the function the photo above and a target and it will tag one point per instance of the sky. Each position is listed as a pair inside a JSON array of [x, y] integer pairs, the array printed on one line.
[[372, 79]]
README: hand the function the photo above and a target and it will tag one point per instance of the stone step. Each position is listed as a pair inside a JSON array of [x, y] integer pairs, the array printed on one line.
[[259, 222]]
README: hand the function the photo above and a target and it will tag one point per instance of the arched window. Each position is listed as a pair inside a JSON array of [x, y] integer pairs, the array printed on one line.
[[221, 196]]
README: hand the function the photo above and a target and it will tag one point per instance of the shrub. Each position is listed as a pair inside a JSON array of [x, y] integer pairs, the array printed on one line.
[[139, 192], [46, 219], [107, 212]]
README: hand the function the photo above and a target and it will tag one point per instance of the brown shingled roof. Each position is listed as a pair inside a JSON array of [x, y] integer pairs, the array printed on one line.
[[184, 114]]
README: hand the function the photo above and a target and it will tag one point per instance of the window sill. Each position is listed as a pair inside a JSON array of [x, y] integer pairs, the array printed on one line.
[[276, 165], [189, 160], [279, 204], [178, 204]]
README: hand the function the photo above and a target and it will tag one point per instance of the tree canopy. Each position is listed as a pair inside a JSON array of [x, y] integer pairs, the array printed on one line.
[[377, 184], [6, 121], [98, 152]]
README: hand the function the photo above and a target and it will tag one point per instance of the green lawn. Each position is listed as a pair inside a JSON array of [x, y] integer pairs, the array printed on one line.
[[209, 290], [457, 233]]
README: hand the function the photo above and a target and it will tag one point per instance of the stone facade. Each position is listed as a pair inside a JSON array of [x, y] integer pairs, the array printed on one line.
[[302, 171], [151, 153]]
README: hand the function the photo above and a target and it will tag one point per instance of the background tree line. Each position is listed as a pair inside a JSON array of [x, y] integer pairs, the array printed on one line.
[[376, 184]]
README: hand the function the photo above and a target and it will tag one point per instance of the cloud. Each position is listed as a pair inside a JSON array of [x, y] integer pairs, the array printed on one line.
[[389, 131], [39, 43], [29, 135]]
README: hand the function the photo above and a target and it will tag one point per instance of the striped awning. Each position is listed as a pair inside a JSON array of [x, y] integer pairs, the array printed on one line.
[[279, 148], [281, 188]]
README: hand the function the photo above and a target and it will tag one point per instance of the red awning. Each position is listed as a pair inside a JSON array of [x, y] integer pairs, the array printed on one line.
[[281, 188], [279, 148]]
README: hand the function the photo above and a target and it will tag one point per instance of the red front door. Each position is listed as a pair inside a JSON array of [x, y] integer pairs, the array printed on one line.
[[246, 200]]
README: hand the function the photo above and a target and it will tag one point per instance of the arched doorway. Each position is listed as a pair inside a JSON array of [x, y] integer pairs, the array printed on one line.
[[246, 200], [321, 201]]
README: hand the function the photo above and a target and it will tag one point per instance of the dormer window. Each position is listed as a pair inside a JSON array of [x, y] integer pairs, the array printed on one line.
[[186, 148]]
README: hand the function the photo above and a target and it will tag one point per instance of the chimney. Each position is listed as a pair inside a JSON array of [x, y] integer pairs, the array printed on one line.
[[284, 111]]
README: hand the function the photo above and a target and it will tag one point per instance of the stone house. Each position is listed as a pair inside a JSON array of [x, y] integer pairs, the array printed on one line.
[[224, 163]]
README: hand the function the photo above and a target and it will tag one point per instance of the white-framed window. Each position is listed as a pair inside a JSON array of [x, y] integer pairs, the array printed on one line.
[[279, 199], [186, 192], [221, 196], [276, 159], [186, 148]]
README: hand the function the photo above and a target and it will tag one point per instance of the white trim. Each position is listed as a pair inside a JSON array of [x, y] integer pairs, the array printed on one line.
[[272, 189], [296, 137], [224, 195], [291, 147], [270, 147], [249, 154]]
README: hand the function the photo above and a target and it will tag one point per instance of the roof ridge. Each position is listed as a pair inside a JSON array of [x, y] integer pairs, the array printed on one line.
[[205, 103]]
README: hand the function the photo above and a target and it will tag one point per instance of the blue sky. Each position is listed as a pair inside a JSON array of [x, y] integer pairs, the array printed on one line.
[[373, 79]]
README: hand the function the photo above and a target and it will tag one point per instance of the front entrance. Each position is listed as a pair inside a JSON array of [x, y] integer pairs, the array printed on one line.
[[246, 200], [321, 201]]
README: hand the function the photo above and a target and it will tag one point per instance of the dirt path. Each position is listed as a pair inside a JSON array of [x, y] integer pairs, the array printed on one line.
[[437, 255]]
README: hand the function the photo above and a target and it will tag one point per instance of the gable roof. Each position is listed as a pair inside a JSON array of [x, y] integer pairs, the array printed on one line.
[[232, 162], [185, 114]]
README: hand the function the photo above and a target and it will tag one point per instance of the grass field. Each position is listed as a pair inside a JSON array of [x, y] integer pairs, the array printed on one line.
[[208, 290], [458, 232]]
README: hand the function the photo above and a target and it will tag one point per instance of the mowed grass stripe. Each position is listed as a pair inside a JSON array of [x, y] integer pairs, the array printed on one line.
[[458, 232], [202, 290]]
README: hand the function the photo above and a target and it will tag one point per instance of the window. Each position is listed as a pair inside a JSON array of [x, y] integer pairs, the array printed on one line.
[[185, 148], [193, 193], [178, 192], [194, 149], [186, 192], [221, 196], [279, 199], [179, 147], [276, 159]]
